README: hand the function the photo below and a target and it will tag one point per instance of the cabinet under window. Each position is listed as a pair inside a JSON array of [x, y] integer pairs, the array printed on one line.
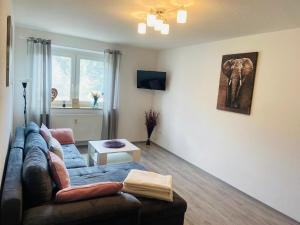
[[75, 75]]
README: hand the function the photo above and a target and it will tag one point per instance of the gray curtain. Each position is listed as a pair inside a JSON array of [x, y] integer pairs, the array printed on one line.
[[39, 51], [111, 94]]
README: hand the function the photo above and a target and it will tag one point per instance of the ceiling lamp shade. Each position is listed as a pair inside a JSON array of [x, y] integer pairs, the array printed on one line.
[[142, 28], [158, 19], [165, 29], [158, 24], [151, 18], [181, 16]]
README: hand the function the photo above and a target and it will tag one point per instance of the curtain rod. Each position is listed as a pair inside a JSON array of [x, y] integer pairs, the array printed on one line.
[[36, 40], [78, 49]]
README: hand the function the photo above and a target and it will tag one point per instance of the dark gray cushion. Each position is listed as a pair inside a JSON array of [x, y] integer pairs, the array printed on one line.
[[35, 140], [155, 212], [12, 195], [19, 141], [113, 172], [36, 177], [72, 157], [31, 127], [120, 209]]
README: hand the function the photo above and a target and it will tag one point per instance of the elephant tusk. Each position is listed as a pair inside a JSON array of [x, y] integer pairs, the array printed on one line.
[[240, 79]]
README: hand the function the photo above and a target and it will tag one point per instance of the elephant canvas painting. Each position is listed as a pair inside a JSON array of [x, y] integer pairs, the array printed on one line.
[[237, 82]]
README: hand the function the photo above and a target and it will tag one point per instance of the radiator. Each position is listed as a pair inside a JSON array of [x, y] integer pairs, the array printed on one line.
[[86, 126]]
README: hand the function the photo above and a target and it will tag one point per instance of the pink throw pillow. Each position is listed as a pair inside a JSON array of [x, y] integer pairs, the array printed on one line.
[[59, 171], [88, 191], [63, 135], [45, 132]]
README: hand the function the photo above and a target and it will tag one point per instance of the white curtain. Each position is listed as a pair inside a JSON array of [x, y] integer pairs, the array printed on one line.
[[39, 51], [111, 94]]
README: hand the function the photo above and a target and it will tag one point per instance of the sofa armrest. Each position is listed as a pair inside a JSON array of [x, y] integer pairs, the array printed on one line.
[[19, 141], [113, 210], [12, 192]]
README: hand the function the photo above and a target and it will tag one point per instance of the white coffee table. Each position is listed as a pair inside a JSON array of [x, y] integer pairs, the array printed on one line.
[[98, 153]]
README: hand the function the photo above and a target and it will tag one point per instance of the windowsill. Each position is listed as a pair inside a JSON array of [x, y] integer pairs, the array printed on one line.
[[82, 107]]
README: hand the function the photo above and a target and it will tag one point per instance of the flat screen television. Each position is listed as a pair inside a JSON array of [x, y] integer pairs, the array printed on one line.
[[153, 80]]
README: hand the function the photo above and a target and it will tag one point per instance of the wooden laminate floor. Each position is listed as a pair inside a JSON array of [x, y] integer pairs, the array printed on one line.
[[210, 201]]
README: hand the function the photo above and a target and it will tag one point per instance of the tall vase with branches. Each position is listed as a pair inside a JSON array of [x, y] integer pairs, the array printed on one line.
[[151, 122]]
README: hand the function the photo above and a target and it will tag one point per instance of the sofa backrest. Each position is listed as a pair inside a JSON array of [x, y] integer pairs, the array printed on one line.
[[12, 191]]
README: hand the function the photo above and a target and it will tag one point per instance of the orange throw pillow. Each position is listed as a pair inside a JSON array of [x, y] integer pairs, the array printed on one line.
[[88, 191], [59, 171], [63, 135]]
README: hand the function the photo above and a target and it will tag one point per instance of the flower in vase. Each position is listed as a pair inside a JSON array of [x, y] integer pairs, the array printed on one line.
[[96, 95]]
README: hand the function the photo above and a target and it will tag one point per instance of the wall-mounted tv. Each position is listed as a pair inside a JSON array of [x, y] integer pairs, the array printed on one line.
[[153, 80]]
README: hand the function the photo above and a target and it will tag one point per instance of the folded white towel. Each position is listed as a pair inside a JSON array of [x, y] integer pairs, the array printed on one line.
[[149, 184]]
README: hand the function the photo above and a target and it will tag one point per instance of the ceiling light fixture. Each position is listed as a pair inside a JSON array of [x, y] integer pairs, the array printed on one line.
[[181, 16], [156, 18], [158, 24], [151, 17], [165, 29], [142, 28]]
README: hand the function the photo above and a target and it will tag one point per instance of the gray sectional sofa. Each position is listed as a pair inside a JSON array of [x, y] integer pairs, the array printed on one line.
[[18, 207]]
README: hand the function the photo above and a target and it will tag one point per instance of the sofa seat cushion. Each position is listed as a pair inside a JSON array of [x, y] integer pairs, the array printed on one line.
[[120, 209], [72, 157], [95, 174]]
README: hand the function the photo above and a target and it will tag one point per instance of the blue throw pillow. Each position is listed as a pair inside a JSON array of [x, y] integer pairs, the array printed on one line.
[[36, 177], [35, 140], [31, 127]]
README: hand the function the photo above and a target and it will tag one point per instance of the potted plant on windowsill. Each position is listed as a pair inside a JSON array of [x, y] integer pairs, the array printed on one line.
[[151, 121]]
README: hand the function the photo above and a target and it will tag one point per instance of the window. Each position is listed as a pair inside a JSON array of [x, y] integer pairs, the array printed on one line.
[[91, 78], [61, 76], [75, 75]]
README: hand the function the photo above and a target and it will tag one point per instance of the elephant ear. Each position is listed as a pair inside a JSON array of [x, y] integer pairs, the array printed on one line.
[[247, 66], [226, 68]]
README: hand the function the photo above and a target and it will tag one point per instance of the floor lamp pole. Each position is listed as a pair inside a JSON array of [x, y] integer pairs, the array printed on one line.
[[24, 84]]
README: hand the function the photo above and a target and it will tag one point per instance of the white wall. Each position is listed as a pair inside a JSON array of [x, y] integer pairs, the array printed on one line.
[[5, 92], [131, 122], [258, 154]]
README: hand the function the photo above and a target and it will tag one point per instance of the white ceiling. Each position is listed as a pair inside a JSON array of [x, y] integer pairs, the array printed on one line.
[[116, 20]]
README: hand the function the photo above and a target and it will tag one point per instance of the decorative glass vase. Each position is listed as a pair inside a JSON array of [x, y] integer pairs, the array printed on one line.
[[95, 104], [148, 142]]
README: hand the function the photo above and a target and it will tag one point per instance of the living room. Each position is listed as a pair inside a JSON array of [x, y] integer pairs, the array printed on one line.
[[221, 134]]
